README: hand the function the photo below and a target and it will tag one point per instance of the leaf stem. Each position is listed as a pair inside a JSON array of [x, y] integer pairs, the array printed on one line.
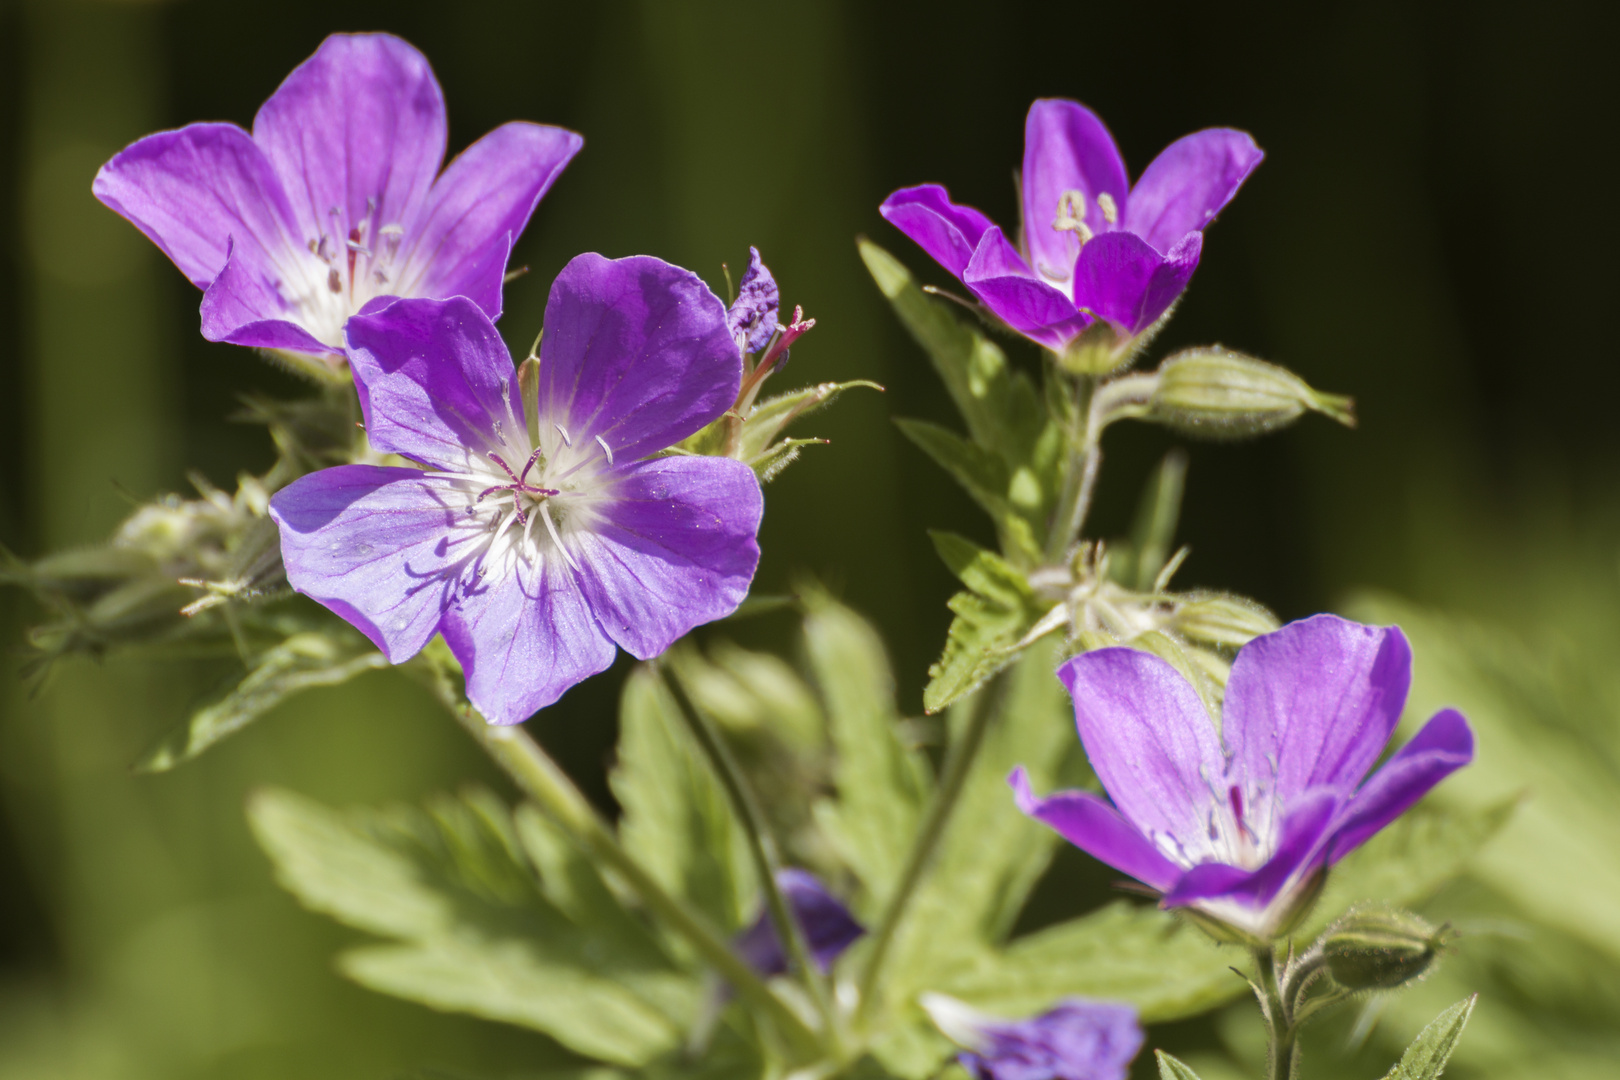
[[958, 763], [763, 850], [544, 781]]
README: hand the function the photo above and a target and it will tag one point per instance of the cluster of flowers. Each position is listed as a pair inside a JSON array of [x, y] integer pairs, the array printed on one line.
[[541, 516]]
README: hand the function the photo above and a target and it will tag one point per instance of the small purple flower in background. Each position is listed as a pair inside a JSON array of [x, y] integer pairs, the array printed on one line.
[[1242, 833], [1092, 246], [543, 532], [332, 201], [828, 926], [1075, 1040]]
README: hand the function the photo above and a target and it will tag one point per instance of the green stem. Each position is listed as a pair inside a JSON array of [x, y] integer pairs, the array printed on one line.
[[543, 780], [958, 763], [1284, 1050], [762, 848], [1079, 477]]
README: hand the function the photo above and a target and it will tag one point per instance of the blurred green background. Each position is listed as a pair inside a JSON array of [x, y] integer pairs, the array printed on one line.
[[1431, 232]]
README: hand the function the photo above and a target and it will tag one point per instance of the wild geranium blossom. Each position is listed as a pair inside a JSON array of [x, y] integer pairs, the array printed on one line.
[[335, 200], [828, 926], [1240, 823], [1075, 1040], [1091, 246], [541, 531]]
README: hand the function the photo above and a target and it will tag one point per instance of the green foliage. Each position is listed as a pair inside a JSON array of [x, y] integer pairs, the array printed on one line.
[[677, 820], [1426, 1058], [1172, 1069], [1216, 393], [992, 617], [474, 927], [1015, 507], [301, 662], [881, 783]]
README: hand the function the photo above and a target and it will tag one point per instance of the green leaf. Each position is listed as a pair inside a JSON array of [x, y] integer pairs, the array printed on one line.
[[473, 926], [995, 613], [1002, 411], [1141, 955], [1426, 1058], [881, 783], [677, 820], [1156, 516], [302, 662], [1172, 1069], [1016, 508]]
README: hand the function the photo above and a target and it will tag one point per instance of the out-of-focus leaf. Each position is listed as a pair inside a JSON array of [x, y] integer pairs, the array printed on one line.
[[1154, 531], [1426, 1058], [988, 860], [1144, 956], [1172, 1069], [1411, 859], [881, 783], [995, 613], [302, 662], [677, 820], [473, 928]]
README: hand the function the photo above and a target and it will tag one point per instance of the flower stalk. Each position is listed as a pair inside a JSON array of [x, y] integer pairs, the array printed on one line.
[[1283, 1029], [767, 859]]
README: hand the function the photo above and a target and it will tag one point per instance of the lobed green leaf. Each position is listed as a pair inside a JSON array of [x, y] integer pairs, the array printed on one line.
[[1426, 1058]]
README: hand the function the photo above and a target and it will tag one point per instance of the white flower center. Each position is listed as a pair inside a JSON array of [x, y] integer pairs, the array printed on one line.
[[340, 272]]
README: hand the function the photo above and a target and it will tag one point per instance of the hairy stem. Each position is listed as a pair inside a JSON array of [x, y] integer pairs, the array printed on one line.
[[1079, 477], [958, 763], [1284, 1050], [762, 848], [543, 780]]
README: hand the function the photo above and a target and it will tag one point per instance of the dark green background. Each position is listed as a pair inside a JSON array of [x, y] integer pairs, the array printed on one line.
[[1432, 232]]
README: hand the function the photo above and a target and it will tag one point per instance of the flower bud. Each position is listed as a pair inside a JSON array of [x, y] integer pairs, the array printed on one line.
[[1222, 619], [1380, 948], [1225, 395]]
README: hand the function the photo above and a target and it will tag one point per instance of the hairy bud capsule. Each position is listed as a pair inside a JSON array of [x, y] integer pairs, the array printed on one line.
[[1380, 948], [1221, 394], [1222, 619]]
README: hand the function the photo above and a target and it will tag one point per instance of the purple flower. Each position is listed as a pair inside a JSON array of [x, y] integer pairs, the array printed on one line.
[[1092, 246], [1075, 1040], [828, 926], [541, 533], [753, 315], [332, 201], [1239, 823]]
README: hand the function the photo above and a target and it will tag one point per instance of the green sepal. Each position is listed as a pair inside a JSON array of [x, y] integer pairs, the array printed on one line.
[[992, 617], [1426, 1058], [1173, 1069]]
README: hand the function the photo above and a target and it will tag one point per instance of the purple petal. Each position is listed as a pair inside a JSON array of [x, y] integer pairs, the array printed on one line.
[[754, 312], [1188, 183], [435, 381], [1066, 148], [1096, 828], [1445, 745], [370, 543], [242, 307], [1000, 278], [524, 634], [358, 128], [828, 926], [1076, 1040], [478, 208], [1311, 705], [636, 352], [670, 545], [194, 191], [1150, 742], [1125, 281], [1300, 849], [948, 232]]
